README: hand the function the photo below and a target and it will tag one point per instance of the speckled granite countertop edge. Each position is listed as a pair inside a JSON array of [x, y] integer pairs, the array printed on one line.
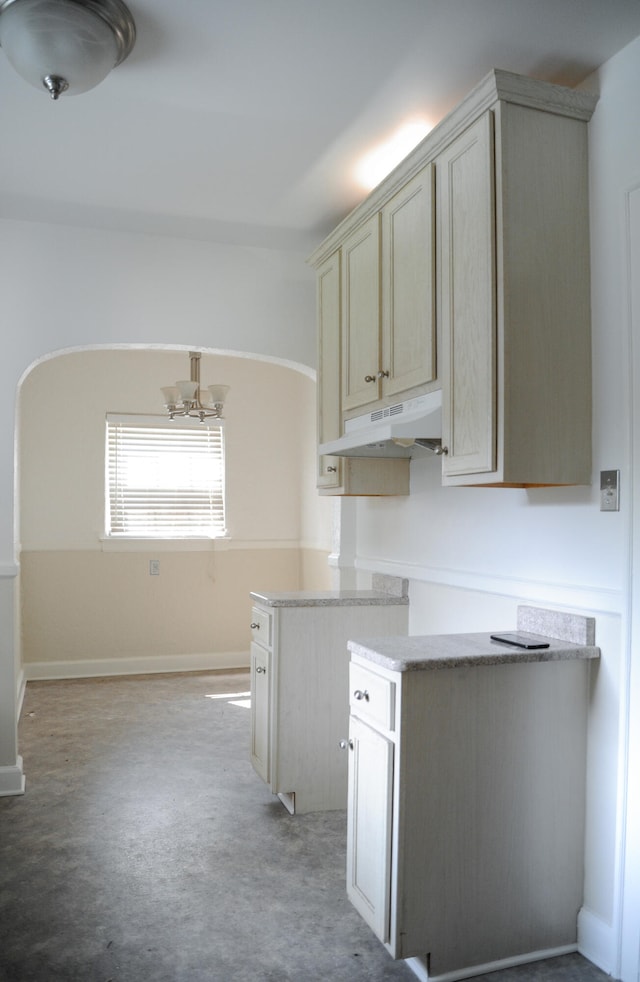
[[329, 598], [429, 652]]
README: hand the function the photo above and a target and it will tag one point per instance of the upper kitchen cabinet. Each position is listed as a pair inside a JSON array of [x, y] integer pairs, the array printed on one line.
[[468, 300], [467, 271], [388, 300], [513, 247], [408, 363], [361, 371], [328, 388], [343, 475]]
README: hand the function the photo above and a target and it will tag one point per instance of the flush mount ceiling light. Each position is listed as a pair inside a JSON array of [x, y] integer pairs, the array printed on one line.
[[188, 399], [67, 46]]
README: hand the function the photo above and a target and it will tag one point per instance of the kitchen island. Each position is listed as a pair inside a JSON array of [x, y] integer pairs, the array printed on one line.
[[299, 685]]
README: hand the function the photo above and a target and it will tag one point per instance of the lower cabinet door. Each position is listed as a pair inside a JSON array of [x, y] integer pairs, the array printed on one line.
[[260, 711], [369, 820]]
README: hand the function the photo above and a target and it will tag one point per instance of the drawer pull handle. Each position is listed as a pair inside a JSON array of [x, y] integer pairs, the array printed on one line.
[[332, 470], [260, 670], [255, 627], [359, 694], [346, 744]]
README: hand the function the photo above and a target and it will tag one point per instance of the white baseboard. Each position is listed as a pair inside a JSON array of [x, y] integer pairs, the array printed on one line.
[[419, 968], [145, 665], [596, 940], [596, 943], [12, 779]]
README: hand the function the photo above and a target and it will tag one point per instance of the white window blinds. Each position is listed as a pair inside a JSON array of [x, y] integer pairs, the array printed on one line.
[[164, 479]]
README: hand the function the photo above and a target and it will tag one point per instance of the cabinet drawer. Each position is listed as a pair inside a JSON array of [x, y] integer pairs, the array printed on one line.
[[371, 697], [261, 621]]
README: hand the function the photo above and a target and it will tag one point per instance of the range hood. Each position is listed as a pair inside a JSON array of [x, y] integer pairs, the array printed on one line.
[[406, 429]]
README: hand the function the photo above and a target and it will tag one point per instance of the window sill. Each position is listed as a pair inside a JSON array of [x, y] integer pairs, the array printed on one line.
[[109, 543]]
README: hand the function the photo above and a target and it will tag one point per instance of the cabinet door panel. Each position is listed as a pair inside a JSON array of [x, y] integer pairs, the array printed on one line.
[[329, 408], [369, 825], [361, 315], [408, 286], [260, 711], [466, 195]]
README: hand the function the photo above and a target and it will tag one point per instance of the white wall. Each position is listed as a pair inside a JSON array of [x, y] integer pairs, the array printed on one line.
[[66, 287], [615, 178], [630, 926]]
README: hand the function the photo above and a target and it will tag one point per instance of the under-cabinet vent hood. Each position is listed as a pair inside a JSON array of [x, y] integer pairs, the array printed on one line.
[[403, 430]]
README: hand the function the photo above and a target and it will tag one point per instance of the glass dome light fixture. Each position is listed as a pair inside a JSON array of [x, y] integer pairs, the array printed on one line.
[[186, 398], [65, 46]]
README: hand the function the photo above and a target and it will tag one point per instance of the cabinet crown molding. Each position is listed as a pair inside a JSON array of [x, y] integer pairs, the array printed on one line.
[[496, 86]]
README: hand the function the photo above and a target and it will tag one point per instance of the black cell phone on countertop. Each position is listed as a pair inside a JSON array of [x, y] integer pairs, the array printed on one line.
[[519, 641]]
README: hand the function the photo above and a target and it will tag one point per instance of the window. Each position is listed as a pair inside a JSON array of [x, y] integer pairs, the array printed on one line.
[[164, 480]]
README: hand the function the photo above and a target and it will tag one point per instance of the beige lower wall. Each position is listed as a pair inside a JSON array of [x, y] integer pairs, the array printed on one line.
[[88, 604], [85, 606]]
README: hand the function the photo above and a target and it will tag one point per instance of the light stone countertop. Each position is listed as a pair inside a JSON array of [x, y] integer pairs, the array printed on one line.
[[329, 598], [435, 651]]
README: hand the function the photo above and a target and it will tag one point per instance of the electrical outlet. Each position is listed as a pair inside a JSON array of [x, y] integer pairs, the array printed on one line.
[[609, 490], [154, 567]]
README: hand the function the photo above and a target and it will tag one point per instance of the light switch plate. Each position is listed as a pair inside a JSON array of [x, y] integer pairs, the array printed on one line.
[[609, 490]]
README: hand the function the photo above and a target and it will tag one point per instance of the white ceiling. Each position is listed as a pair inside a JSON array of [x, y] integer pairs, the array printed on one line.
[[242, 120]]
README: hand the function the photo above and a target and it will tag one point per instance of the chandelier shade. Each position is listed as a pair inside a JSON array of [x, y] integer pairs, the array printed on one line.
[[65, 46], [187, 398]]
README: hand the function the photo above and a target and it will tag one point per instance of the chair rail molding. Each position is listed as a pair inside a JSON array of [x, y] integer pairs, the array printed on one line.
[[584, 596]]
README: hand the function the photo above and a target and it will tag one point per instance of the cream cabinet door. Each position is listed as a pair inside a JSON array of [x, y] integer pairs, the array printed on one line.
[[408, 286], [329, 406], [466, 224], [361, 315], [369, 818], [260, 711]]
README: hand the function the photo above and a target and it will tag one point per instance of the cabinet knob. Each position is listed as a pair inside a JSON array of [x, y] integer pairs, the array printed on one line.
[[332, 470], [370, 378], [359, 694], [260, 670], [382, 374], [255, 627], [346, 744]]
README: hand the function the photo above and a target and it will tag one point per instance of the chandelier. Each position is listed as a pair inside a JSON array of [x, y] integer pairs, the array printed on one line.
[[186, 398], [67, 46]]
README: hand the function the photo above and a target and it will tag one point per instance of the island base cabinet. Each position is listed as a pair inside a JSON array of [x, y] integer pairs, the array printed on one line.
[[299, 684], [466, 815]]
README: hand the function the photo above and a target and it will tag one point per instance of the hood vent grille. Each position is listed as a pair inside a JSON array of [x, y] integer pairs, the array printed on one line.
[[378, 414], [399, 410]]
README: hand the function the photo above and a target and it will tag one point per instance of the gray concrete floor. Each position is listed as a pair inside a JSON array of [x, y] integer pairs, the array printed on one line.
[[147, 850]]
